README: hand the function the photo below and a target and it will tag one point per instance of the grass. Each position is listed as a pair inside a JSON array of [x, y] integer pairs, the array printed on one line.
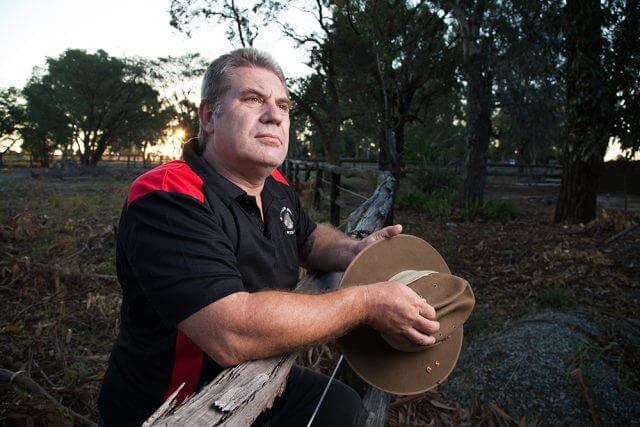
[[499, 210], [441, 204], [438, 203], [483, 320], [555, 296], [55, 237], [70, 224]]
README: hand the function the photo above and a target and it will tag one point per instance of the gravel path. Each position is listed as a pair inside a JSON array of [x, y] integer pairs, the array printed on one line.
[[526, 370]]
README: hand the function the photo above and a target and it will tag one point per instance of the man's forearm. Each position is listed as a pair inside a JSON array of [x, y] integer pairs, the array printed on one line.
[[247, 326], [298, 321]]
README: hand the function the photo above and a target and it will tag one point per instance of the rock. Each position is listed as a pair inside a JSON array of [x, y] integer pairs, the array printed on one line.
[[525, 371]]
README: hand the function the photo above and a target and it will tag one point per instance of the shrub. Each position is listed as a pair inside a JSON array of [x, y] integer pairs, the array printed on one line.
[[470, 211], [439, 203], [410, 199], [436, 176], [483, 320], [556, 296], [499, 210], [493, 209]]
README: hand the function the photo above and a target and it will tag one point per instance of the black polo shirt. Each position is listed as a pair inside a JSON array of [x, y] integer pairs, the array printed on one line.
[[188, 237]]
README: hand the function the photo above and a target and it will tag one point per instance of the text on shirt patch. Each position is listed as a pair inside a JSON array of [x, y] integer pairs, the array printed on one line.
[[287, 220]]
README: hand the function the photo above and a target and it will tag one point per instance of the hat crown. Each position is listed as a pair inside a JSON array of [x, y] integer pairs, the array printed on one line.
[[451, 297]]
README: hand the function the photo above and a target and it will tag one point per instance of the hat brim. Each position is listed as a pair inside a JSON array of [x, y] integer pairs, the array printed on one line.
[[368, 354]]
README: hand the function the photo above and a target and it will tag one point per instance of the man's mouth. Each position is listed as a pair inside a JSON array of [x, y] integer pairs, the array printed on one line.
[[269, 138]]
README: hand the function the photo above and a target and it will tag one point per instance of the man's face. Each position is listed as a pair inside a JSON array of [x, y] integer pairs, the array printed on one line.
[[252, 129]]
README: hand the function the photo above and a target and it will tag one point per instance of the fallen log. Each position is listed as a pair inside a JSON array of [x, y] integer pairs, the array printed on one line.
[[22, 378], [621, 234]]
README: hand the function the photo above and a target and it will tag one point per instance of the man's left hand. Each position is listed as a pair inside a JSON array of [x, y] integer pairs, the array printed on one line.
[[384, 233]]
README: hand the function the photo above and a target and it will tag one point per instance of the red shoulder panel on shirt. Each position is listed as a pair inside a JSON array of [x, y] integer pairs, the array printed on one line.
[[279, 177], [175, 177]]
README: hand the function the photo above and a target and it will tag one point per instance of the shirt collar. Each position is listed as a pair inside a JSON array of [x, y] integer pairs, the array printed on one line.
[[227, 190]]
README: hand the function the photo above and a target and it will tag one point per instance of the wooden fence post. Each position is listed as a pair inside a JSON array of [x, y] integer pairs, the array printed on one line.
[[307, 172], [335, 192], [317, 188]]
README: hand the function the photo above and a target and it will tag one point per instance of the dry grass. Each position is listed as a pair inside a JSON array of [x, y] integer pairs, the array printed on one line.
[[61, 299]]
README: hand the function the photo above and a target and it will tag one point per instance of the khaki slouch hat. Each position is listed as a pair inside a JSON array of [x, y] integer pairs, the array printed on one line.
[[399, 366]]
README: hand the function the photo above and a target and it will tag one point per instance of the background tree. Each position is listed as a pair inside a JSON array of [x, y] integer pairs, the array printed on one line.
[[476, 40], [437, 134], [45, 127], [375, 80], [102, 97], [587, 108], [321, 98], [624, 62], [242, 18], [149, 130], [12, 113], [178, 79], [411, 53], [528, 89]]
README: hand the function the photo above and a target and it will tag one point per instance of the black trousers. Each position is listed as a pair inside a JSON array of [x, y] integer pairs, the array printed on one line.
[[341, 405]]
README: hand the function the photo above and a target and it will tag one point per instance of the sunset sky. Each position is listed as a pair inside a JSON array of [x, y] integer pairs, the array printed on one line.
[[32, 30]]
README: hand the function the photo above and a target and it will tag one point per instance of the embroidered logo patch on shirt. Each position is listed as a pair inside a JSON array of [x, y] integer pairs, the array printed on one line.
[[287, 220]]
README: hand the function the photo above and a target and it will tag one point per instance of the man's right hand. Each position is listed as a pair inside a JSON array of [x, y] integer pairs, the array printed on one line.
[[396, 310]]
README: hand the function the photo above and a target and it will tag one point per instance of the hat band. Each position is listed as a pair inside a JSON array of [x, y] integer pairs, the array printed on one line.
[[407, 277]]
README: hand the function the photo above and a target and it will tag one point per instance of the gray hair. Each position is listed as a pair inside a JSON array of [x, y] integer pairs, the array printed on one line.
[[215, 83]]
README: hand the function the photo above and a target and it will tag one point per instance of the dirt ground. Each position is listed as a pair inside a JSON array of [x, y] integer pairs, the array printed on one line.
[[61, 299]]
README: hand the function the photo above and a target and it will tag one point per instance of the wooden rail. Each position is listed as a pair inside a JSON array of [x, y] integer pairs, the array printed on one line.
[[239, 395], [530, 173], [330, 175], [292, 169]]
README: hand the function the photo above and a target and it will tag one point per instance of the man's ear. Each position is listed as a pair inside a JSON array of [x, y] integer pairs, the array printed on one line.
[[207, 116]]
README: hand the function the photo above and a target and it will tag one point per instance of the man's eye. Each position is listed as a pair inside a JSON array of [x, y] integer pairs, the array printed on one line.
[[254, 99], [284, 106]]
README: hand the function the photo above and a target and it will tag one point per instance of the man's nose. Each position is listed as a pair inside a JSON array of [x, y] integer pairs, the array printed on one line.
[[272, 114]]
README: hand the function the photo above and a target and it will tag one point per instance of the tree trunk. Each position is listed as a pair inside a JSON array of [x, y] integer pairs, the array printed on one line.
[[478, 130], [578, 191], [144, 153], [328, 138], [85, 157], [388, 156], [96, 156], [475, 58], [586, 109], [383, 157], [525, 143]]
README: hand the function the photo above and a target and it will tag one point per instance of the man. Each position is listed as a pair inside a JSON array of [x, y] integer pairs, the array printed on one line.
[[208, 252]]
